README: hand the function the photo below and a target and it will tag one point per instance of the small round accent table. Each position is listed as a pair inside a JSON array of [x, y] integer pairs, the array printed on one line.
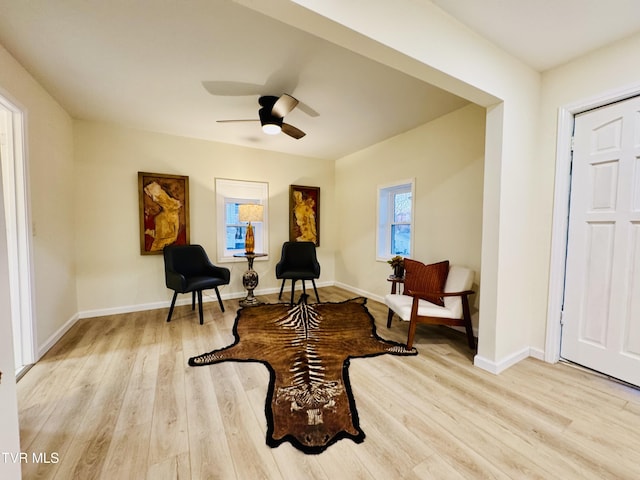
[[250, 279]]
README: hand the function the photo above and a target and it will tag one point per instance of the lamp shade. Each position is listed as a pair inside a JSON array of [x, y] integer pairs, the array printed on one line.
[[250, 213]]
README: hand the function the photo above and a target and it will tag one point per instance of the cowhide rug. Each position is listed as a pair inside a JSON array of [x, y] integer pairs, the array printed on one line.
[[307, 350]]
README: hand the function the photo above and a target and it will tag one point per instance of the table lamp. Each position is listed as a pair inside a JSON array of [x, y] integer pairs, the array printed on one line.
[[249, 213]]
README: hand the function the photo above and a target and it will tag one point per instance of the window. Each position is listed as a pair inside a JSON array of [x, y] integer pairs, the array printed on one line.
[[395, 220], [230, 194]]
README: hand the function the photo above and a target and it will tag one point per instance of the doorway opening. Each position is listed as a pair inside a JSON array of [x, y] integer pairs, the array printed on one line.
[[15, 195]]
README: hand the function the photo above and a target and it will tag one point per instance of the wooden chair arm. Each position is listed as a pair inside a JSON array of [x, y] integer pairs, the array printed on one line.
[[413, 293], [458, 294]]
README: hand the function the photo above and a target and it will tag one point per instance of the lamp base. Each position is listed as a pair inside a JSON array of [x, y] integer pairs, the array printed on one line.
[[250, 282], [249, 240]]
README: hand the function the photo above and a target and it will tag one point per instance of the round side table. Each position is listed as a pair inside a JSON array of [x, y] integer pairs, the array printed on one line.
[[250, 279], [394, 283]]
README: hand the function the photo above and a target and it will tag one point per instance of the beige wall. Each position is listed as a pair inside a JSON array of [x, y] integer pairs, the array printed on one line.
[[446, 159], [49, 152], [112, 274]]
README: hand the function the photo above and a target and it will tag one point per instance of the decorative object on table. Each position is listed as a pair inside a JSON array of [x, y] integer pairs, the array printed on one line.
[[307, 350], [248, 212], [435, 294], [304, 214], [164, 211], [188, 269], [250, 279], [397, 263], [298, 262]]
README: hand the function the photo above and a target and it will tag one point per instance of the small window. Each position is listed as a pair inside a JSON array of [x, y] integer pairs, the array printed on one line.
[[230, 194], [235, 230], [395, 220]]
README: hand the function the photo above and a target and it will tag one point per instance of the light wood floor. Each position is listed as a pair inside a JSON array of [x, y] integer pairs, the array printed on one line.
[[115, 399]]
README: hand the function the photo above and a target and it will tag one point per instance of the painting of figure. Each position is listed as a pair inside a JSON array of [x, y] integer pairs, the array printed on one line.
[[164, 211], [304, 214]]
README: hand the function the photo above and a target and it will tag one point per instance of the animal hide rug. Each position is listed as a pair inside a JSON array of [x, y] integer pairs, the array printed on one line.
[[307, 350]]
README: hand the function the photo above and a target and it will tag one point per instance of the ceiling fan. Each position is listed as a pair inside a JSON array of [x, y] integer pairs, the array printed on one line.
[[272, 114]]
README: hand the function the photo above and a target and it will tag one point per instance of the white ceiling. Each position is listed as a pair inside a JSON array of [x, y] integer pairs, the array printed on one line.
[[142, 64], [547, 33]]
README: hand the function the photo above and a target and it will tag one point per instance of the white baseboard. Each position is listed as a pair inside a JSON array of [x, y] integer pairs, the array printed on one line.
[[186, 300], [359, 292], [480, 362], [103, 312], [53, 339], [502, 365], [537, 353]]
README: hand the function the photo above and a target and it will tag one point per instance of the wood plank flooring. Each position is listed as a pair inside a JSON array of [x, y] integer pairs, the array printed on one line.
[[115, 399]]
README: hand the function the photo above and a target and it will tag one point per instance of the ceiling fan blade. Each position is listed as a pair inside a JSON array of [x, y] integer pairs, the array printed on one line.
[[303, 107], [283, 105], [292, 131]]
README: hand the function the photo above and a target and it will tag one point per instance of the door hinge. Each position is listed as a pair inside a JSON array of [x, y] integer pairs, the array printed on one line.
[[561, 317], [573, 142]]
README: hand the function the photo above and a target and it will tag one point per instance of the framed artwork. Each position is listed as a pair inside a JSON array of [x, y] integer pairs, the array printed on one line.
[[304, 214], [164, 211]]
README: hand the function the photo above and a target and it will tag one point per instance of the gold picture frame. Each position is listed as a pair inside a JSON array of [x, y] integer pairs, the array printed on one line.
[[164, 211], [304, 214]]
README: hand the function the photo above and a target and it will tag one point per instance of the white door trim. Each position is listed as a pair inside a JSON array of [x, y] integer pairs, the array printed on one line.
[[562, 187], [15, 178]]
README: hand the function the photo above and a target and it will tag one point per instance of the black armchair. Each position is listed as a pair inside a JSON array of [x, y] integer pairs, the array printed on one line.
[[188, 269], [298, 262]]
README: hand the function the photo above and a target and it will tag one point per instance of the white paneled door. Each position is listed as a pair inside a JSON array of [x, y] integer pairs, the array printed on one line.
[[601, 315]]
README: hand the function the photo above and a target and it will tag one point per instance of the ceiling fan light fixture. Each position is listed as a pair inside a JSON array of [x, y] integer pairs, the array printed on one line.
[[271, 124], [271, 128]]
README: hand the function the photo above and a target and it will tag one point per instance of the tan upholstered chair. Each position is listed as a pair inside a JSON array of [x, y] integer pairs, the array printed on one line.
[[450, 306]]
